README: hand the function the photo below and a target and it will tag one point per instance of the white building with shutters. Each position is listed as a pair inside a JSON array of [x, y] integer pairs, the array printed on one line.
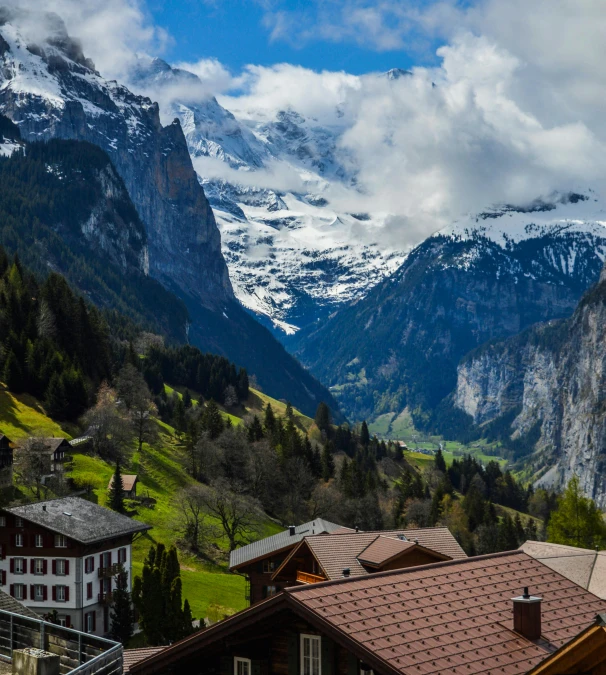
[[64, 555]]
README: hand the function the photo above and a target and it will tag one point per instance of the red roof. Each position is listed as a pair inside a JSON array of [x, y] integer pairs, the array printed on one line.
[[449, 618], [383, 549], [132, 656]]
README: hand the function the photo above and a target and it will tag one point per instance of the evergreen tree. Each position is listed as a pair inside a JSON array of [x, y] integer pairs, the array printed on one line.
[[55, 399], [530, 531], [187, 402], [188, 620], [364, 435], [328, 463], [212, 421], [122, 615], [507, 539], [270, 419], [116, 491], [289, 414], [577, 521], [255, 430], [179, 419], [520, 534], [12, 374], [439, 461], [323, 419]]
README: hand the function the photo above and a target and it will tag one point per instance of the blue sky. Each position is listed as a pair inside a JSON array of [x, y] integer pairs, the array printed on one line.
[[265, 32]]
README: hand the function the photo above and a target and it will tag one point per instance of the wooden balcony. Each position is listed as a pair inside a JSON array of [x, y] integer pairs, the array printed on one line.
[[110, 571], [105, 598], [307, 578]]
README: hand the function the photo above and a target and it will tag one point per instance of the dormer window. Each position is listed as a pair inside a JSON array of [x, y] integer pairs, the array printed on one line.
[[18, 521], [60, 541], [269, 566]]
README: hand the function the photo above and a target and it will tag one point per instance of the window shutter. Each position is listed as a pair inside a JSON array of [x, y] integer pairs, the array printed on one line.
[[327, 650], [32, 595], [45, 592], [4, 577], [352, 664], [67, 594], [24, 591], [94, 620], [32, 566], [227, 665], [12, 565], [101, 560], [45, 566], [54, 566], [54, 593], [255, 668], [67, 567], [68, 621], [12, 589], [14, 539], [293, 653]]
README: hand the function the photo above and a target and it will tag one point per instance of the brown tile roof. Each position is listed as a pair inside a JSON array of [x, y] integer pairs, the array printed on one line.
[[49, 445], [581, 565], [128, 481], [383, 549], [335, 553], [448, 618], [132, 656], [452, 617]]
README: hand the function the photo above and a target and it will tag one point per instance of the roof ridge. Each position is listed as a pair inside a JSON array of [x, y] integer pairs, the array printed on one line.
[[456, 561]]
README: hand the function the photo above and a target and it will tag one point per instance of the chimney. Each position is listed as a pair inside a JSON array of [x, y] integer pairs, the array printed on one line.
[[357, 528], [527, 615], [346, 572], [291, 530], [44, 507]]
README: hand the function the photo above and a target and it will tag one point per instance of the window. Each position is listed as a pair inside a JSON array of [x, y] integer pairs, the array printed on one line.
[[19, 540], [310, 655], [38, 592], [39, 541], [60, 541], [19, 591], [366, 670], [62, 621], [121, 555], [269, 566], [18, 521], [60, 594], [89, 623], [242, 666], [269, 591], [2, 521], [60, 567], [19, 566], [89, 564], [39, 566], [89, 590]]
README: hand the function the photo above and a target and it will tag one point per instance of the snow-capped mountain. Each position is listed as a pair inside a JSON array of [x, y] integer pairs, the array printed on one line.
[[487, 276], [293, 258]]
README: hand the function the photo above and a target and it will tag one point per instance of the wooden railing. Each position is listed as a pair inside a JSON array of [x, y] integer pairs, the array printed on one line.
[[307, 578], [110, 571]]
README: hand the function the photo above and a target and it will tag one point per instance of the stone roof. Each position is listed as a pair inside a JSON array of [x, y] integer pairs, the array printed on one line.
[[79, 519], [581, 565], [283, 541], [447, 618], [49, 445]]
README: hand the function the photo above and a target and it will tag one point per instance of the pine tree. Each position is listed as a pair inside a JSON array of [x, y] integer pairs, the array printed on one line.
[[289, 414], [179, 419], [270, 419], [439, 461], [212, 420], [13, 374], [255, 430], [364, 435], [188, 620], [322, 417], [530, 531], [187, 402], [55, 399], [507, 538], [517, 522], [122, 614], [116, 491], [328, 463]]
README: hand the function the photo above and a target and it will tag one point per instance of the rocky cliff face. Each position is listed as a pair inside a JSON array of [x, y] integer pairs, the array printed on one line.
[[51, 90], [552, 378], [487, 277]]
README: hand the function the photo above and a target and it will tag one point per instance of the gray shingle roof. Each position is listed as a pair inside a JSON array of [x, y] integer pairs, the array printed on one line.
[[79, 519], [9, 604], [280, 541]]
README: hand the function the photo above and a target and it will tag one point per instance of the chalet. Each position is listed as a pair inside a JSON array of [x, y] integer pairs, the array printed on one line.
[[6, 461], [52, 450], [470, 615], [585, 567], [129, 485], [259, 560], [317, 559], [63, 554]]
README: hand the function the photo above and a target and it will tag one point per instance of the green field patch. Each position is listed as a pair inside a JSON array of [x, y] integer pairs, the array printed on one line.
[[22, 416]]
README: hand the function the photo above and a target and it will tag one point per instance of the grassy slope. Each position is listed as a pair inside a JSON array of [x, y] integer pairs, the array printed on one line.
[[162, 474]]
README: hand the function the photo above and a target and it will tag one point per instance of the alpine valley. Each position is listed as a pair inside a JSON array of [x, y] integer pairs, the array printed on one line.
[[49, 89]]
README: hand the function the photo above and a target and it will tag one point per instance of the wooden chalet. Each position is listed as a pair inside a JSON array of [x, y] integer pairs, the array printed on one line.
[[53, 451], [6, 461], [459, 617], [259, 560], [129, 485], [346, 554]]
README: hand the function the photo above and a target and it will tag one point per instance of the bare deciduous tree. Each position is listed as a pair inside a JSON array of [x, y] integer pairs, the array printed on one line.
[[107, 426], [32, 465], [237, 514], [136, 397], [193, 523]]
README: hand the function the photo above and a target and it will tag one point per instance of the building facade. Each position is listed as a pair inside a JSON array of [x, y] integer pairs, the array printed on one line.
[[63, 555]]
